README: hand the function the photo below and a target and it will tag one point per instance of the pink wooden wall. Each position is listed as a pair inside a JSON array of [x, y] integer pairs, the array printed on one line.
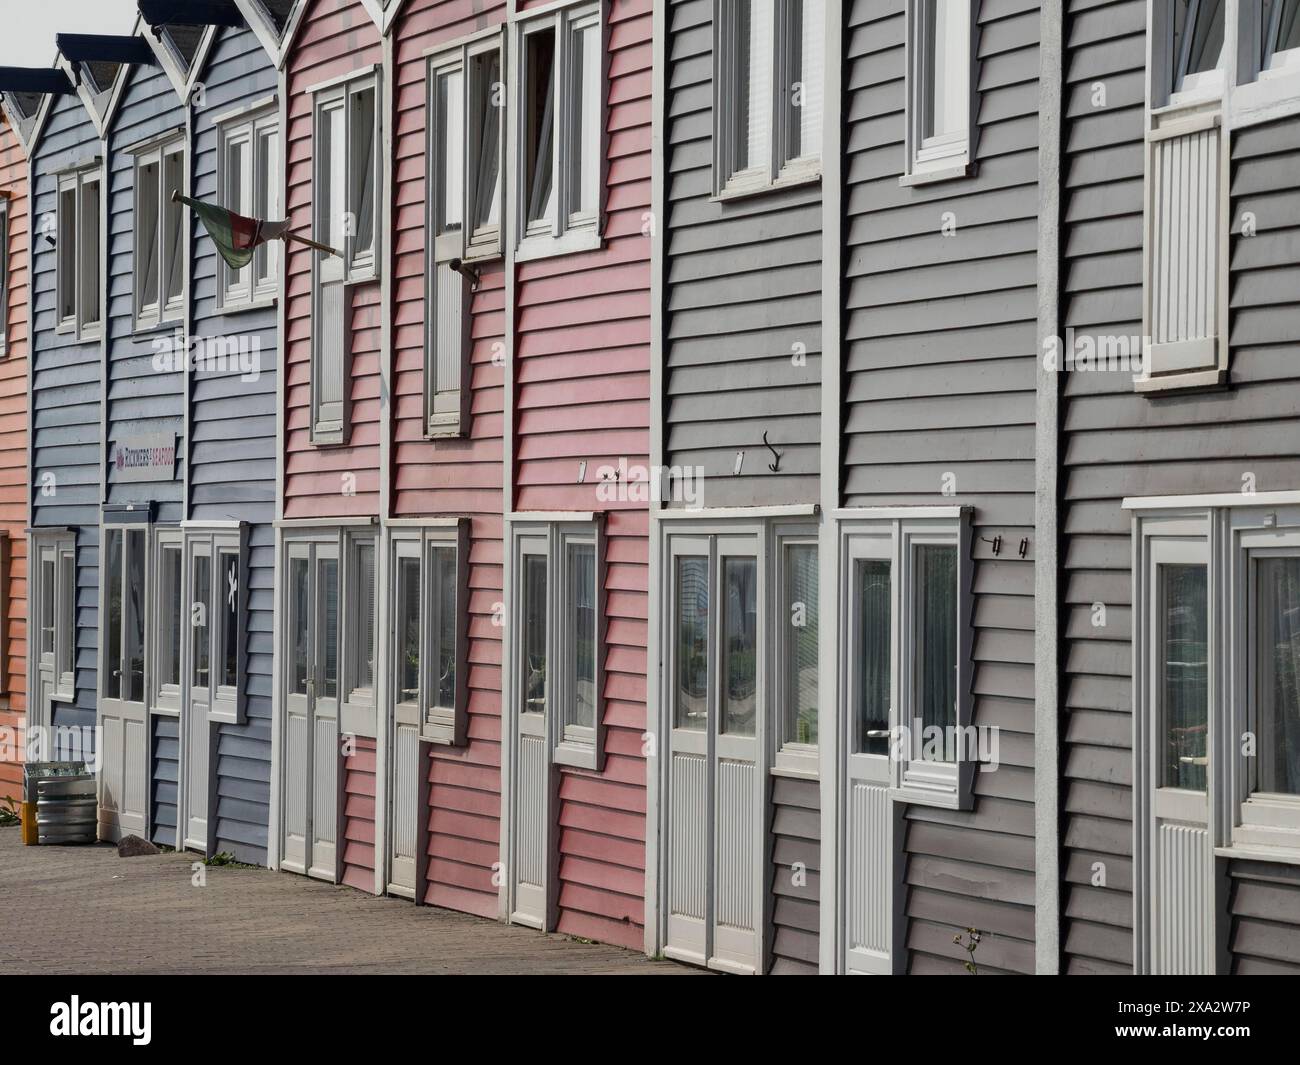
[[582, 392], [336, 37], [451, 477], [14, 480], [359, 817]]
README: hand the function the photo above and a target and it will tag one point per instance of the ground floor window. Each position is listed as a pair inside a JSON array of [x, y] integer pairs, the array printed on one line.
[[53, 599]]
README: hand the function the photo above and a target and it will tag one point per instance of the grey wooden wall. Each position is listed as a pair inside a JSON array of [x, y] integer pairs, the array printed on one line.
[[66, 392], [795, 840], [742, 289], [939, 361], [232, 465]]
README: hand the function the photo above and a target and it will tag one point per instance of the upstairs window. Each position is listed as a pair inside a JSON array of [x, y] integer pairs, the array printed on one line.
[[769, 92], [4, 276], [159, 235], [78, 253], [248, 168], [1281, 36], [939, 83], [561, 132]]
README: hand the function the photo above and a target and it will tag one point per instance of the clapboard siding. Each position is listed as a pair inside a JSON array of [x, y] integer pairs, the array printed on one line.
[[232, 455], [582, 395], [451, 477], [165, 776], [796, 875], [13, 465], [66, 391], [335, 37], [742, 291], [940, 336], [1264, 916], [142, 396], [357, 859]]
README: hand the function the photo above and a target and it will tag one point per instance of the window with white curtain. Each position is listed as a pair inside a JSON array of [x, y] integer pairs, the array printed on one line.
[[939, 84], [769, 92], [561, 131], [248, 180], [159, 235], [77, 255]]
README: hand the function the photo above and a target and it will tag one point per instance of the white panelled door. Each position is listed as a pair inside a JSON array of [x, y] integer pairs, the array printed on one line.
[[714, 850]]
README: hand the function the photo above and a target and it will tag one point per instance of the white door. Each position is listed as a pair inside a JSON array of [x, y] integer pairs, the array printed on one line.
[[311, 778], [1182, 902], [866, 811], [714, 853], [122, 718], [196, 731], [531, 865]]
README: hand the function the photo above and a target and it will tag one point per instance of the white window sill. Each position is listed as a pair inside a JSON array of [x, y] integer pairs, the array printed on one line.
[[146, 326], [261, 304], [931, 784], [1276, 94], [327, 437], [438, 732], [164, 711], [224, 715], [444, 430], [1257, 852], [749, 190], [569, 243], [577, 756], [790, 771], [960, 167], [1182, 382]]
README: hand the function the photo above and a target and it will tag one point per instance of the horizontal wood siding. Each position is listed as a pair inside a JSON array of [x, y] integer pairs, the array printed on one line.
[[165, 776], [742, 287], [796, 876], [582, 395], [940, 336], [335, 37], [232, 457], [142, 398], [66, 394], [451, 477], [1264, 916], [358, 822], [14, 479]]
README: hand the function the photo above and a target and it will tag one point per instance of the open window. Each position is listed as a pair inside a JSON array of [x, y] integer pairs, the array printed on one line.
[[769, 91], [466, 101], [346, 183], [360, 634], [160, 235], [940, 90], [248, 167], [77, 253], [561, 60], [431, 609]]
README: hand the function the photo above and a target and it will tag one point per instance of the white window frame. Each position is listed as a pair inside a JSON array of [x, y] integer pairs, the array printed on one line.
[[4, 276], [894, 533], [163, 310], [568, 231], [778, 170], [62, 548], [951, 155], [106, 669], [357, 704], [571, 745], [78, 324], [354, 267], [1267, 82], [257, 285], [225, 703], [444, 725], [167, 697], [791, 755]]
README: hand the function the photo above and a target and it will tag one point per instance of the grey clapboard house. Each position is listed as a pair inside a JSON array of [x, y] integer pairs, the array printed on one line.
[[933, 510], [1179, 492], [232, 405], [739, 364]]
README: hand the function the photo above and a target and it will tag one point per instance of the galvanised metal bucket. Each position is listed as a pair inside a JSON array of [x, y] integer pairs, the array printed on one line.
[[64, 794]]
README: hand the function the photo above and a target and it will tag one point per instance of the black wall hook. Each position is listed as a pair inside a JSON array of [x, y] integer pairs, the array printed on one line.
[[775, 466]]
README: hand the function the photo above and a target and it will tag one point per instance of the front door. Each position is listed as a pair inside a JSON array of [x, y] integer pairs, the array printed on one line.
[[311, 778], [122, 718], [714, 876]]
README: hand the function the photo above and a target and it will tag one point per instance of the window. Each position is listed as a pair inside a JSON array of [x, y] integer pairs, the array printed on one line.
[[54, 603], [77, 253], [1182, 675], [561, 131], [201, 618], [248, 179], [159, 235], [907, 651], [1280, 23], [361, 667], [691, 640], [464, 222], [940, 98], [430, 609], [797, 662], [1197, 49], [559, 667], [124, 553], [346, 186], [4, 276], [172, 613], [769, 92]]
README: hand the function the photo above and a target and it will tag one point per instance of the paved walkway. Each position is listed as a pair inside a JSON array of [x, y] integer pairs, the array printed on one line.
[[85, 910]]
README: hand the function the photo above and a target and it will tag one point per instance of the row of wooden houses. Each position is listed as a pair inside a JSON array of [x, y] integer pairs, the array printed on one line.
[[772, 483]]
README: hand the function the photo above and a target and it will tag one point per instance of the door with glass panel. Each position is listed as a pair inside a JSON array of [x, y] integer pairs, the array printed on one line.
[[1182, 886], [867, 815], [714, 854], [196, 739], [122, 716], [311, 732]]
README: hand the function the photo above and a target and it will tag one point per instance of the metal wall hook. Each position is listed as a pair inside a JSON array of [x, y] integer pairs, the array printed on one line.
[[775, 466]]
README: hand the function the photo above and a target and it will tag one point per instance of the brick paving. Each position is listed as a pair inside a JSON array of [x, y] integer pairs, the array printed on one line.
[[85, 910]]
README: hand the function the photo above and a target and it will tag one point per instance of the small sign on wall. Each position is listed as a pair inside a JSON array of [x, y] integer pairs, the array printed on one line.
[[144, 458]]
